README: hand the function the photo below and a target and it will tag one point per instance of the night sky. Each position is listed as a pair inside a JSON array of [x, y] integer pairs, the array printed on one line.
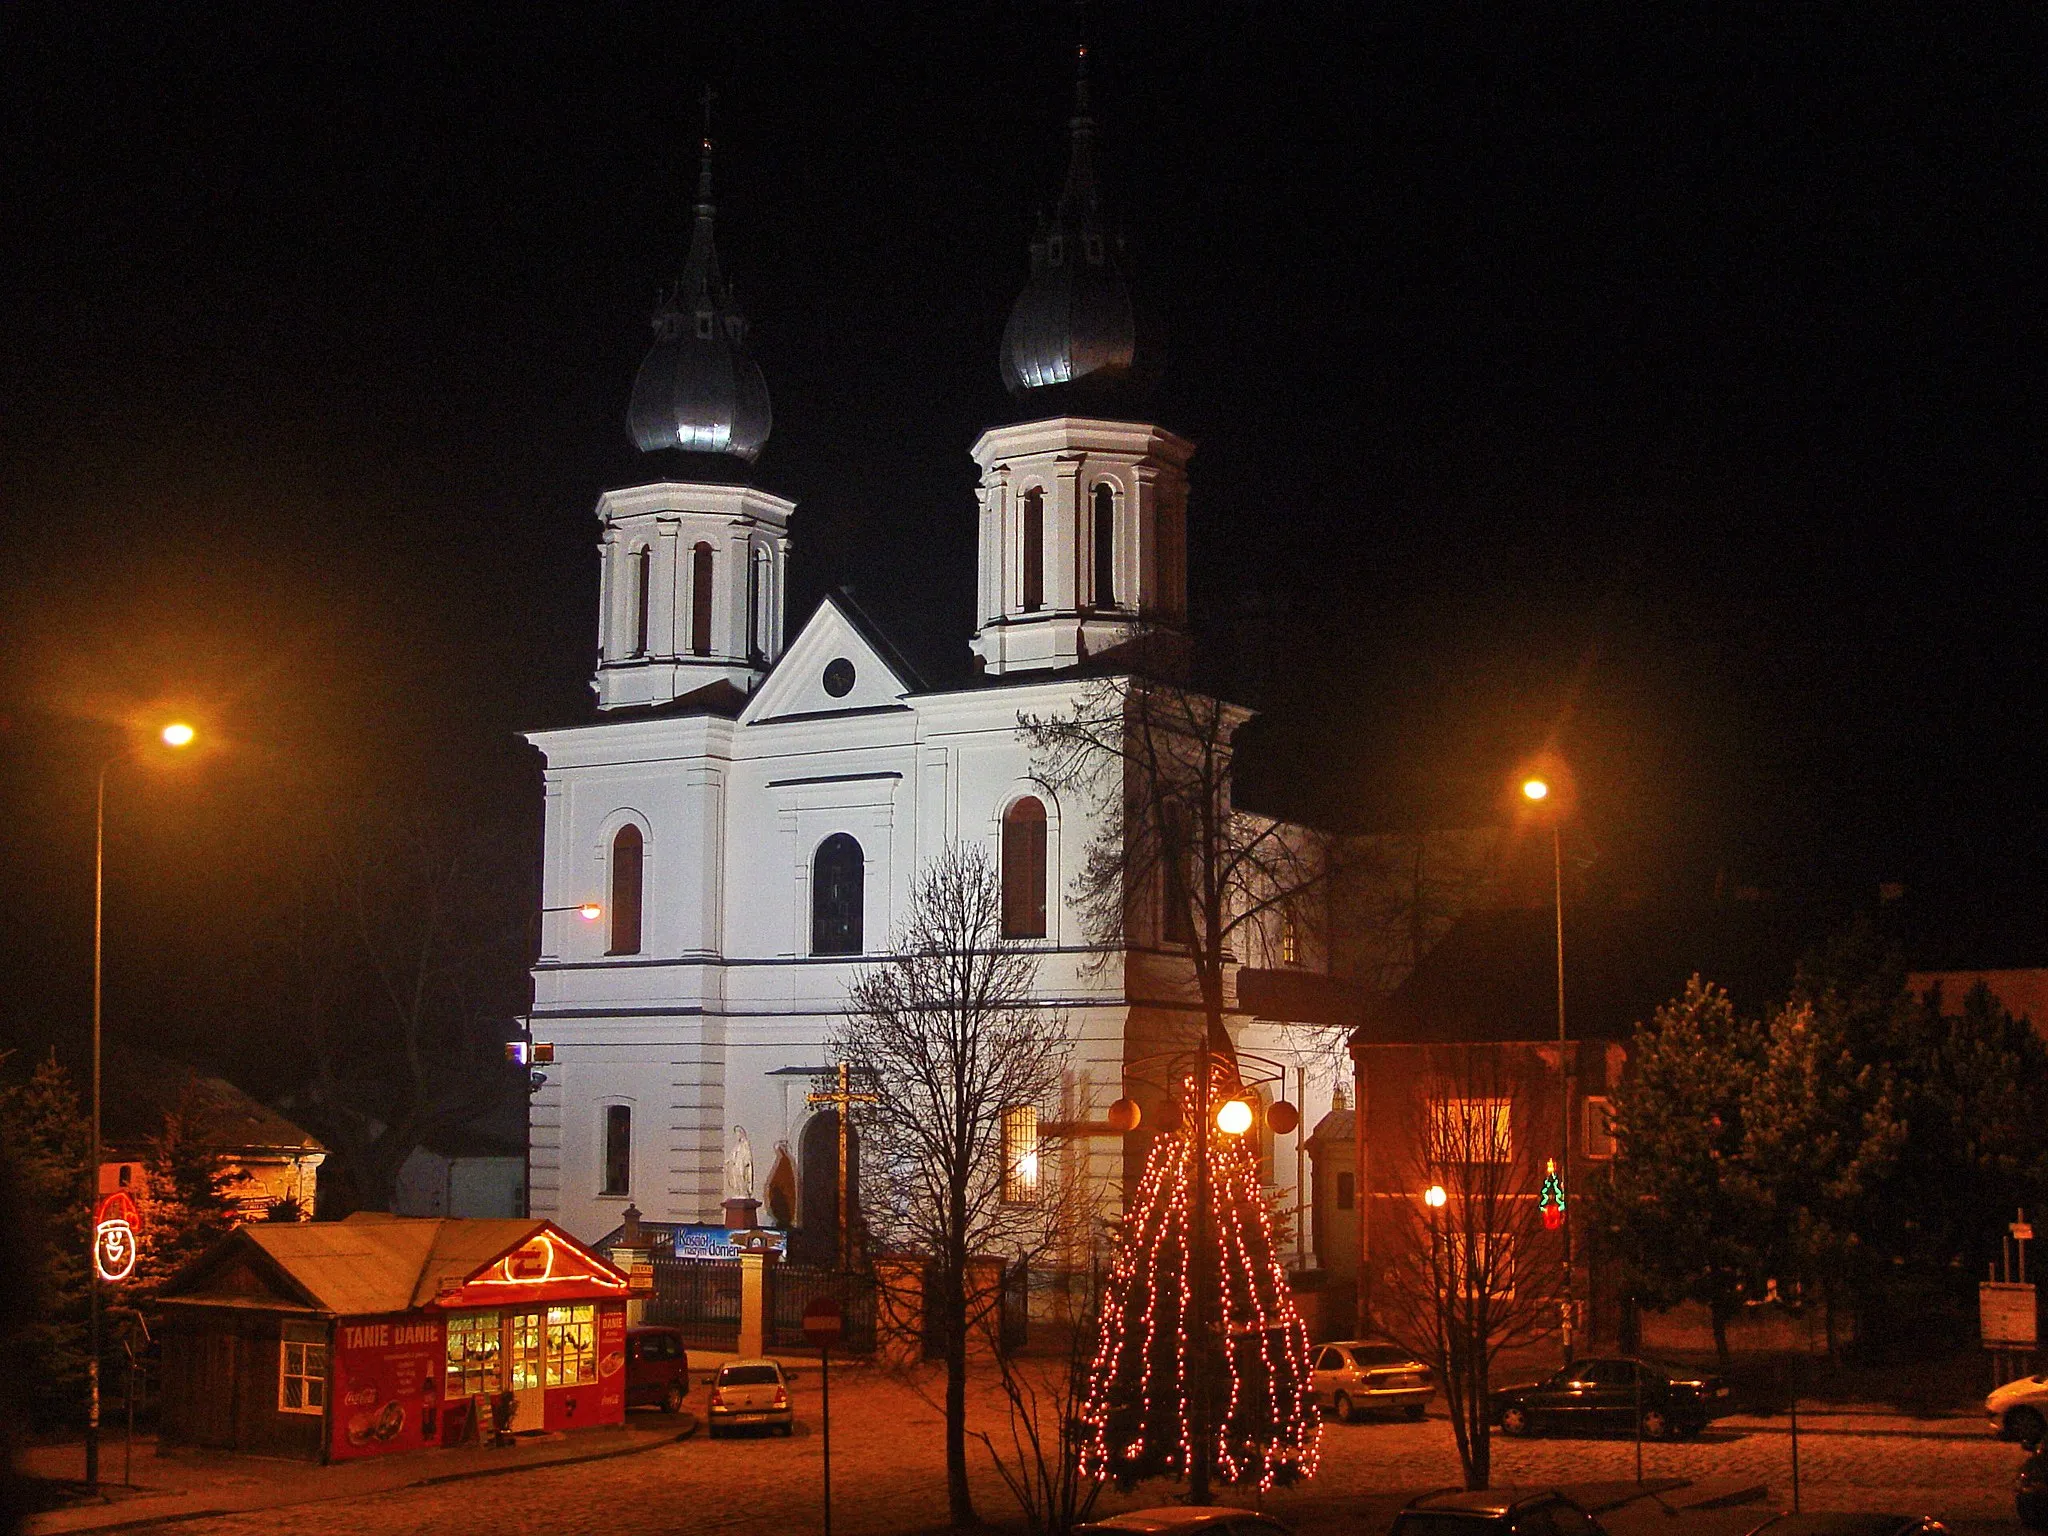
[[1662, 382]]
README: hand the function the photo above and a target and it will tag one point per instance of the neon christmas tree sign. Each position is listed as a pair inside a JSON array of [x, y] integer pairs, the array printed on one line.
[[1550, 1201]]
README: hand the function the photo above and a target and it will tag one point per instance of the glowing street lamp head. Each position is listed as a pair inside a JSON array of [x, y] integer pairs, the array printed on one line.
[[1234, 1118], [590, 911], [178, 734], [1434, 1197], [1536, 789]]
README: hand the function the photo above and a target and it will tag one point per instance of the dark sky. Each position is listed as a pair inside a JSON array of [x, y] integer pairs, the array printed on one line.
[[1661, 379]]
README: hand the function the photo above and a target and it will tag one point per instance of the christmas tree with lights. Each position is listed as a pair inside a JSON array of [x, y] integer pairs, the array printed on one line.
[[1170, 1288]]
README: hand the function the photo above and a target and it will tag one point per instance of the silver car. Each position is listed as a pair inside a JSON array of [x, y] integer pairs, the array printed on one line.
[[753, 1394], [1354, 1376]]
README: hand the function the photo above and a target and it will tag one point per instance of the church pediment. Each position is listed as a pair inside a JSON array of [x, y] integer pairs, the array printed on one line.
[[835, 666]]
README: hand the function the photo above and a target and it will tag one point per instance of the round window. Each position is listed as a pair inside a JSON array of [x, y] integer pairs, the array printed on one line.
[[839, 677]]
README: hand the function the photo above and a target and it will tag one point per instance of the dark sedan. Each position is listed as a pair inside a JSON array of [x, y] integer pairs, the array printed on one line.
[[1612, 1394], [1850, 1525], [1494, 1512]]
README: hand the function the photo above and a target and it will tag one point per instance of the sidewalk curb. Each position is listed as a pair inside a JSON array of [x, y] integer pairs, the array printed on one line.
[[185, 1516]]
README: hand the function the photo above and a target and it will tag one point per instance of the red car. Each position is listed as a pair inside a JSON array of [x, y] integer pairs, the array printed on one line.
[[657, 1369]]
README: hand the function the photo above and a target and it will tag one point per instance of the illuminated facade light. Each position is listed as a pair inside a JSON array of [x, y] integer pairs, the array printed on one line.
[[1434, 1197], [1234, 1117], [178, 734], [590, 911], [1535, 789]]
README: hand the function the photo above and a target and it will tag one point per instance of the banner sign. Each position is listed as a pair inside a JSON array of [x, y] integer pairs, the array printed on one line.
[[387, 1384], [707, 1240]]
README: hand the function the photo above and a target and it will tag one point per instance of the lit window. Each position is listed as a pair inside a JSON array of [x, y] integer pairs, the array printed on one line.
[[571, 1345], [1471, 1131], [1020, 1154], [838, 894], [1034, 550], [1599, 1138], [628, 850], [1290, 939], [618, 1149], [1024, 870], [472, 1354], [302, 1368]]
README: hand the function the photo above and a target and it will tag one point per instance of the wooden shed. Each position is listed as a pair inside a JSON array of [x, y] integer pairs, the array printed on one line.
[[377, 1334]]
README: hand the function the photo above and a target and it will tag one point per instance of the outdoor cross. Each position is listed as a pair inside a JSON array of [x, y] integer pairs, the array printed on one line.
[[843, 1098]]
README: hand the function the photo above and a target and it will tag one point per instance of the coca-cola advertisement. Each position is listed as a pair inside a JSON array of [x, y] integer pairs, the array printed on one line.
[[387, 1384]]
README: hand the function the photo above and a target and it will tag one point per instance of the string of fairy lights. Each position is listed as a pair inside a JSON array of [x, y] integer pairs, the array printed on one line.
[[1267, 1430]]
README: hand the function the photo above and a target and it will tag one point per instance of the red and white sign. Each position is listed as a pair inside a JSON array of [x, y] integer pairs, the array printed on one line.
[[115, 1224], [387, 1383], [823, 1322]]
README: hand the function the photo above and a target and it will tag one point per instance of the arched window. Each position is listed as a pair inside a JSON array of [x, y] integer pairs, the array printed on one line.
[[643, 588], [1105, 546], [700, 600], [627, 849], [618, 1150], [1024, 870], [838, 889], [1034, 550], [757, 603]]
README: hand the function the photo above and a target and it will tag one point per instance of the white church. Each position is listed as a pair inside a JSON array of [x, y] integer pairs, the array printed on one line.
[[748, 810]]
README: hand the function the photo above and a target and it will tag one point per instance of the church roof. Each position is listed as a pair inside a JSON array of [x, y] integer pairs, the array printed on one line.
[[1077, 333], [698, 389]]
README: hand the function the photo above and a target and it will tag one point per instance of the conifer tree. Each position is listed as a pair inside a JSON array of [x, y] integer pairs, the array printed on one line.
[[1264, 1421], [1674, 1205], [46, 1132], [185, 1207]]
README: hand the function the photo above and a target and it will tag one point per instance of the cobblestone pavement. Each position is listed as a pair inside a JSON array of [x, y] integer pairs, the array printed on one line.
[[888, 1475]]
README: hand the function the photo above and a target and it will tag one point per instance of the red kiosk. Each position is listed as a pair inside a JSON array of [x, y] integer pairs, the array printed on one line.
[[331, 1340]]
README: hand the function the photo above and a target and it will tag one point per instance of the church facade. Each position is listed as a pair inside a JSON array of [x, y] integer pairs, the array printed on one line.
[[747, 814]]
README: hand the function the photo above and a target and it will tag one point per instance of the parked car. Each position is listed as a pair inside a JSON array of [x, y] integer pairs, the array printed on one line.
[[2030, 1491], [1608, 1394], [1186, 1520], [752, 1393], [1354, 1375], [657, 1369], [1494, 1512], [1849, 1525], [2019, 1410]]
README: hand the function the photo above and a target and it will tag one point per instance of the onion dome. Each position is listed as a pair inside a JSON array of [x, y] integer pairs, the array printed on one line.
[[1076, 334], [698, 389]]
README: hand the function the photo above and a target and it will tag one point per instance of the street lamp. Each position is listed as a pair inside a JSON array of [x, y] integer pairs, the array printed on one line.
[[1536, 790], [176, 735]]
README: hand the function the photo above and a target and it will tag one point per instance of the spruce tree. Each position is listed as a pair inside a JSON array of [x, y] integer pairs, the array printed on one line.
[[46, 1132]]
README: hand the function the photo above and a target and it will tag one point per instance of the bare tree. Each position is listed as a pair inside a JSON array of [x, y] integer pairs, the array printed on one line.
[[407, 950], [1175, 866], [947, 1034], [1041, 1463], [1472, 1272]]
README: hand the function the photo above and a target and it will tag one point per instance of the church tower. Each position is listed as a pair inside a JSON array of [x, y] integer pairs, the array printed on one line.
[[1083, 546], [693, 562]]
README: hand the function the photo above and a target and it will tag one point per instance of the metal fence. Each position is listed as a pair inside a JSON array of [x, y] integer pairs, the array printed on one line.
[[793, 1287], [701, 1299], [698, 1297]]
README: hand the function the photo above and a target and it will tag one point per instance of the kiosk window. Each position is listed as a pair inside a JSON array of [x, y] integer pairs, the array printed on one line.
[[572, 1344], [472, 1353], [302, 1369]]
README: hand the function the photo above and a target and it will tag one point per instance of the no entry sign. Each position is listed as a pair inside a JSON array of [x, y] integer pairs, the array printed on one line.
[[823, 1322]]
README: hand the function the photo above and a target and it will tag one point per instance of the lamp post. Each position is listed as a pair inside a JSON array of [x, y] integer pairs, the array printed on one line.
[[176, 735], [1536, 790]]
